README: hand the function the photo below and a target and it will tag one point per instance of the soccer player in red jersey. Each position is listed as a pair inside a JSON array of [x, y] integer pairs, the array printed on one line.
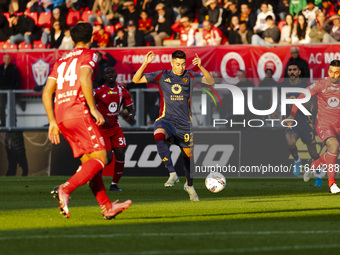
[[109, 98], [71, 80], [327, 91]]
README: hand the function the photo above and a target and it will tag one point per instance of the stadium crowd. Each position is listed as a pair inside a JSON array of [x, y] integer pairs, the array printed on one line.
[[131, 23]]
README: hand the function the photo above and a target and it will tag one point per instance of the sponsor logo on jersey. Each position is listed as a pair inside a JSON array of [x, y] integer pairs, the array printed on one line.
[[112, 92], [332, 88], [333, 102], [40, 70], [113, 107], [167, 80], [176, 89]]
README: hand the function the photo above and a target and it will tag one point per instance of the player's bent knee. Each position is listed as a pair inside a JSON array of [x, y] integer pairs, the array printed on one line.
[[159, 137]]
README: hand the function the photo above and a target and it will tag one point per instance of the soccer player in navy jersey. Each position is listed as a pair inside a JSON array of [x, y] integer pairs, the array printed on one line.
[[174, 123]]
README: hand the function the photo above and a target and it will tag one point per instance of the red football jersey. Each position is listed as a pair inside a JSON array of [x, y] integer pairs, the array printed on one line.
[[69, 98], [187, 37], [109, 100], [328, 96], [210, 36]]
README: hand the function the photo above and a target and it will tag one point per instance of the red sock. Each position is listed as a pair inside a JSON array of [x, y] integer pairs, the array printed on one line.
[[98, 189], [85, 172], [330, 161], [119, 168]]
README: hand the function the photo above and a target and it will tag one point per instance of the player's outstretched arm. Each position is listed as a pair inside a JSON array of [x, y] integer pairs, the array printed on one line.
[[53, 130], [207, 79], [87, 88], [139, 77]]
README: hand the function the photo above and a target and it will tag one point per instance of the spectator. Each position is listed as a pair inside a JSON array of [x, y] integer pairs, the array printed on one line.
[[57, 35], [66, 43], [56, 16], [234, 24], [129, 12], [212, 12], [247, 16], [118, 40], [23, 29], [230, 10], [261, 21], [106, 12], [162, 26], [9, 79], [296, 6], [261, 101], [283, 8], [4, 28], [185, 30], [310, 12], [301, 33], [316, 32], [39, 6], [241, 36], [104, 60], [101, 39], [270, 36], [17, 6], [117, 16], [133, 37], [332, 28], [212, 35], [328, 8], [303, 65], [287, 30], [145, 23], [187, 8]]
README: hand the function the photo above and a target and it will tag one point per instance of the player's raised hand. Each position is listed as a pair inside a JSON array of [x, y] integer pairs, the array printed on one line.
[[98, 117], [149, 57], [197, 61], [53, 133]]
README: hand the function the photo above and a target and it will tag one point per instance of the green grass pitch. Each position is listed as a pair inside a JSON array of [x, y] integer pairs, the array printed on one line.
[[250, 216]]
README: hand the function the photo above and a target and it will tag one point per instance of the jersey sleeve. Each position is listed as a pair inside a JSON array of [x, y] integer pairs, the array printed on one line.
[[197, 78], [127, 100], [153, 77], [90, 59], [314, 89], [54, 73]]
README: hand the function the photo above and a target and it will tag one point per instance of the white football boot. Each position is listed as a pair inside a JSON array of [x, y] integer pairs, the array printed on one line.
[[334, 189], [192, 192], [173, 178]]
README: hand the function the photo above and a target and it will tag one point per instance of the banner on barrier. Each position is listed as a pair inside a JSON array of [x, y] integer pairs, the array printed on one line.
[[221, 61]]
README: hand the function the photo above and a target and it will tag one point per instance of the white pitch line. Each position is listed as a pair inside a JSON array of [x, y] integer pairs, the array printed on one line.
[[308, 232], [219, 251]]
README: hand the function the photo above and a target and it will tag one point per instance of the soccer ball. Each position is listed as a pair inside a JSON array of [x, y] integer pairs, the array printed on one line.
[[215, 182]]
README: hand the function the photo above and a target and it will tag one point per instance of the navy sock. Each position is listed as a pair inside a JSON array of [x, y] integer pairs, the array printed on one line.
[[165, 154], [187, 163]]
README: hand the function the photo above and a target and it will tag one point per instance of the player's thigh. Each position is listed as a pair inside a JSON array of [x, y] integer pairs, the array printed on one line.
[[291, 135], [164, 127], [83, 135], [184, 138], [307, 134], [325, 131]]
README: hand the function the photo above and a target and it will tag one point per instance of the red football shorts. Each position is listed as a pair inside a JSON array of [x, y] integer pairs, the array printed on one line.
[[114, 139], [327, 130], [83, 135]]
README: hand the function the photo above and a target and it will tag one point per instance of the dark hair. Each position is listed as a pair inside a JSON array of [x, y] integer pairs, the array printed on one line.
[[271, 70], [310, 2], [242, 22], [81, 32], [291, 26], [269, 17], [335, 62], [301, 32], [294, 63], [178, 54]]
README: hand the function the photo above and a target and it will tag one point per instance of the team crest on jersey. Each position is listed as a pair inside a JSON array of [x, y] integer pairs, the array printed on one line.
[[167, 80], [176, 89], [333, 102], [113, 107], [40, 70], [185, 80]]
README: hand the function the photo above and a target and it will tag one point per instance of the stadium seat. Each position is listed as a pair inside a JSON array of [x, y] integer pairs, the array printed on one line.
[[8, 46], [85, 15], [34, 16], [24, 46], [44, 19], [281, 24], [72, 18], [109, 29], [2, 45], [39, 45]]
